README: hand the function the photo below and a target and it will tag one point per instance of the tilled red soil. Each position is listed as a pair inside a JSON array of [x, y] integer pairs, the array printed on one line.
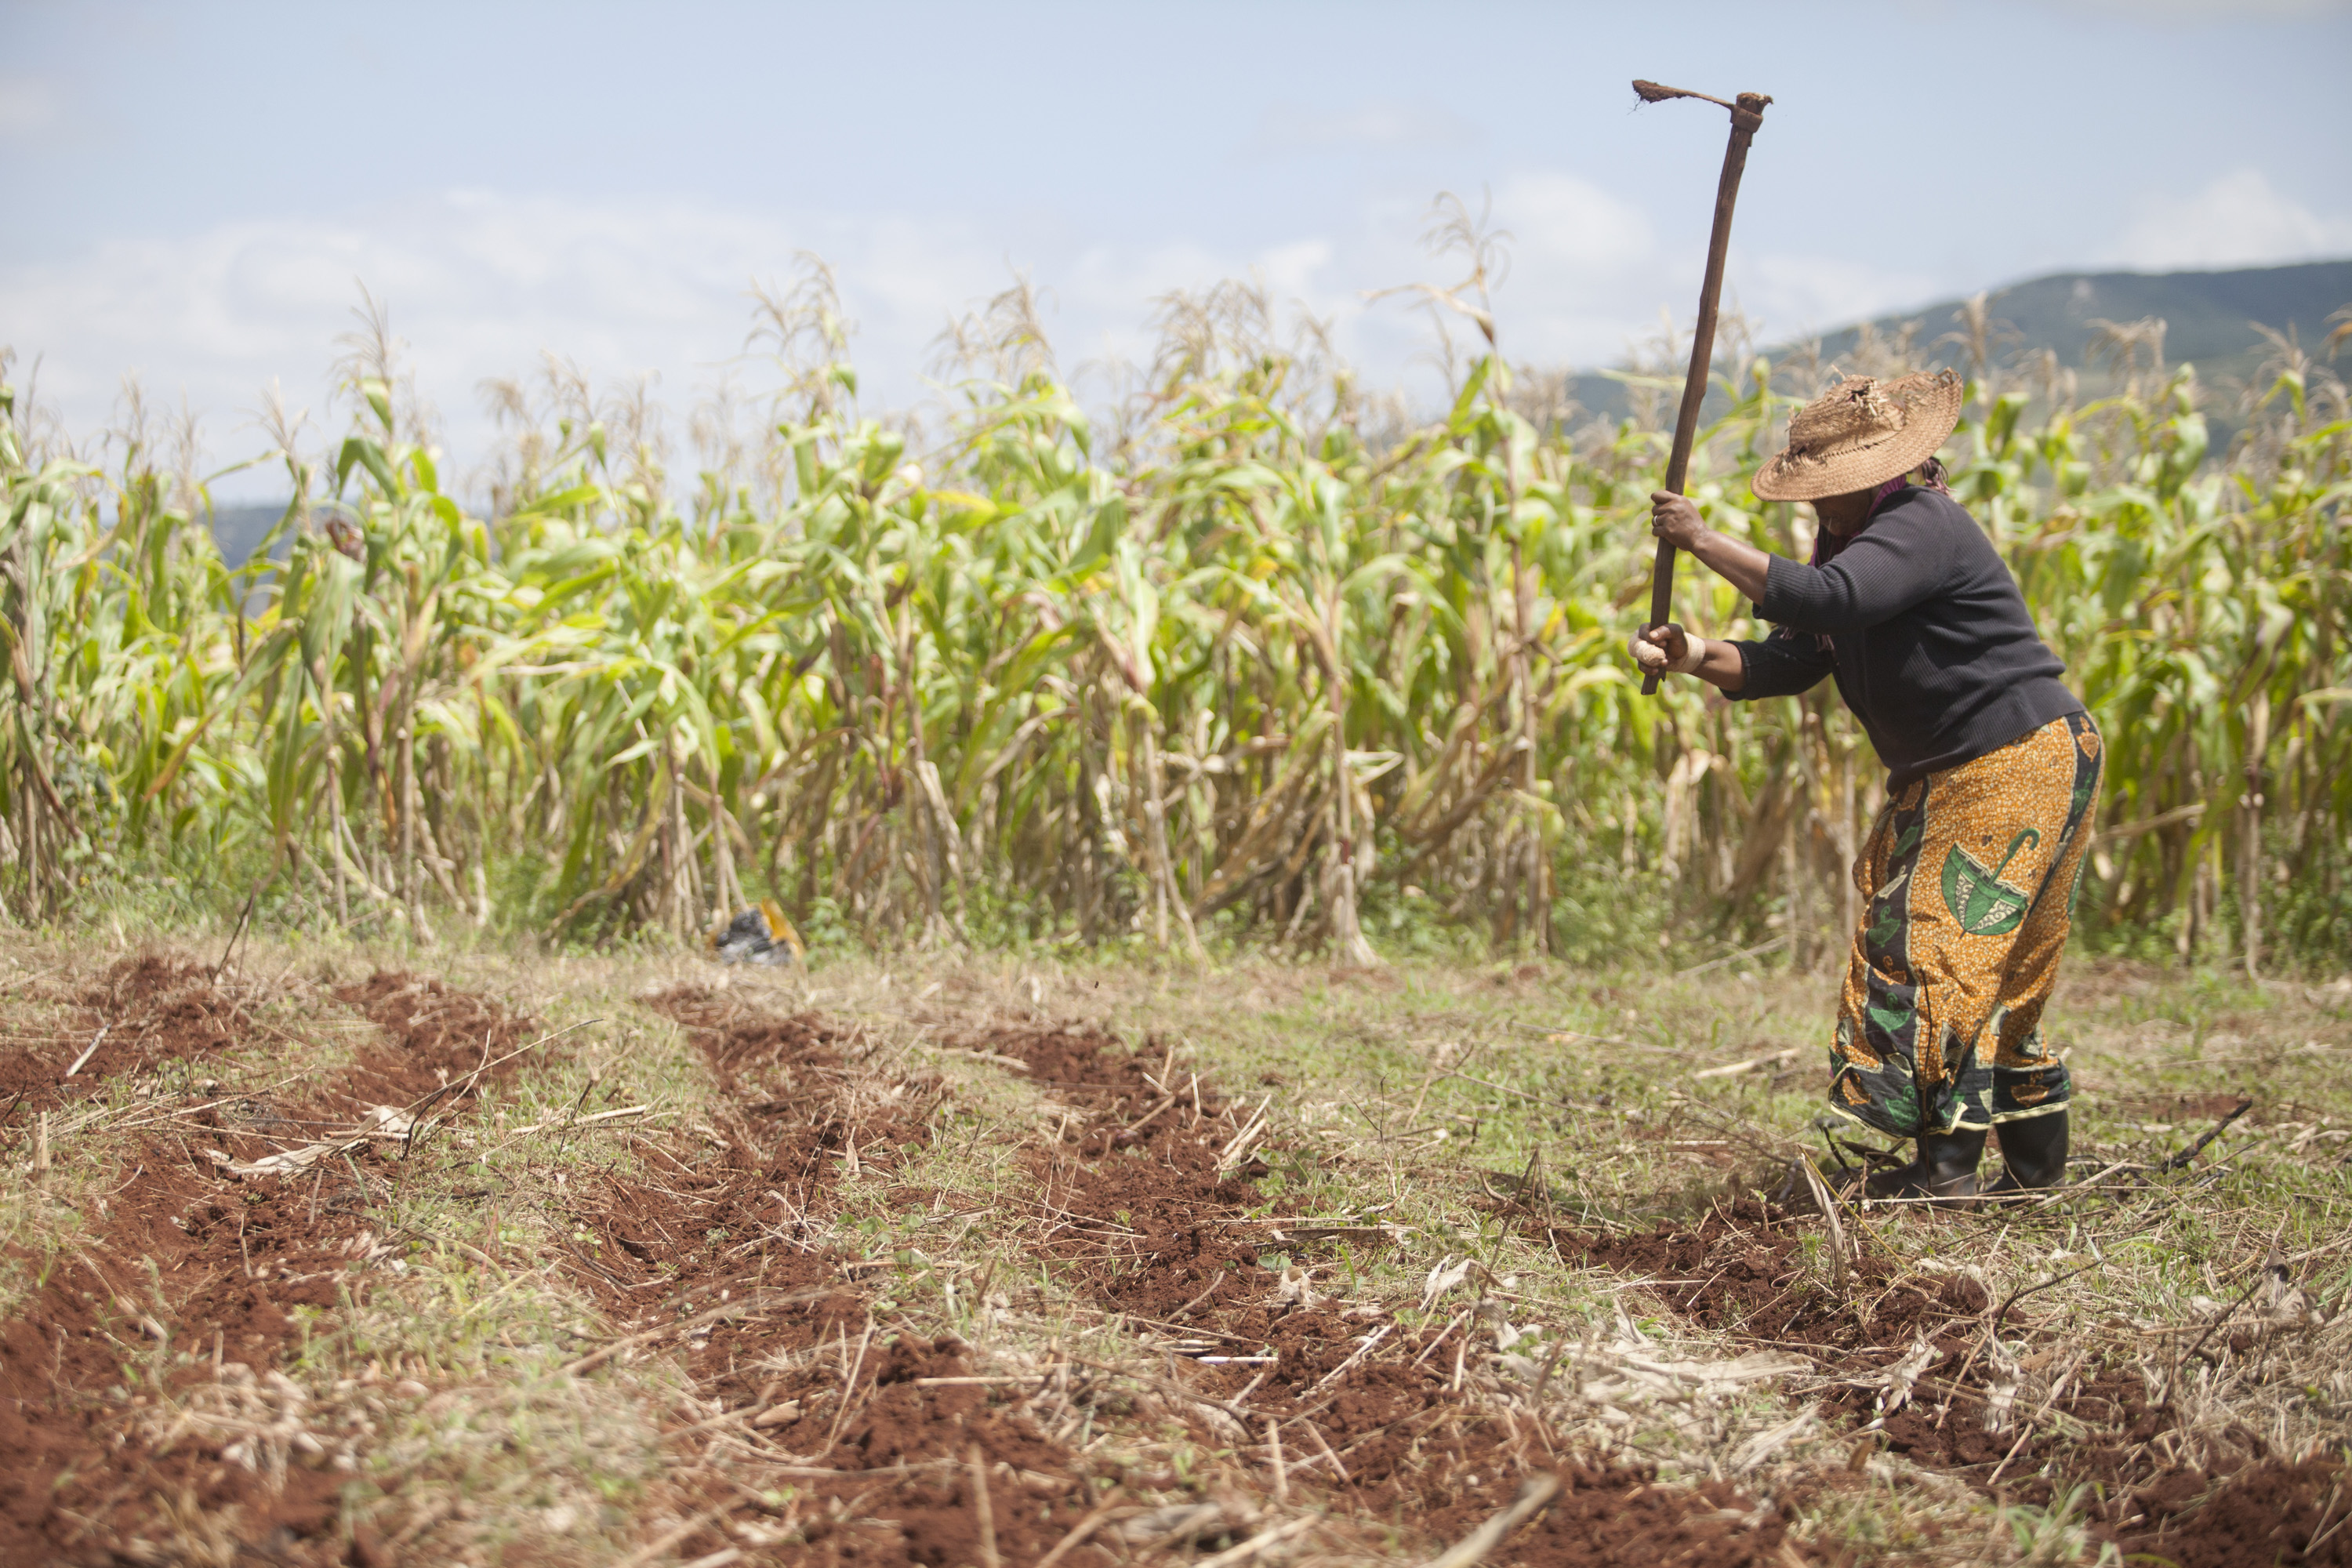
[[442, 1044], [2267, 1512], [1606, 1515], [176, 1266], [144, 1011], [740, 1219], [1739, 1269], [1036, 1490], [809, 1386], [1135, 1209], [186, 1275], [715, 1252]]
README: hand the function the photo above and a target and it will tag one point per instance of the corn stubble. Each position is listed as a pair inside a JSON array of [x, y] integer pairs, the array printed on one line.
[[1253, 657]]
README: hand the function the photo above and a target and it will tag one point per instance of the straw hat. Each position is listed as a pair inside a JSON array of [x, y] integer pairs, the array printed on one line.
[[1861, 434]]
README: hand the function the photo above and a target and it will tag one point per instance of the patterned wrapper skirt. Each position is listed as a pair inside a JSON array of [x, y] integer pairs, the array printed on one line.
[[1967, 882]]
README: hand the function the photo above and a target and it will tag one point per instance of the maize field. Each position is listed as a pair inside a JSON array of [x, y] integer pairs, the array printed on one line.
[[1247, 658]]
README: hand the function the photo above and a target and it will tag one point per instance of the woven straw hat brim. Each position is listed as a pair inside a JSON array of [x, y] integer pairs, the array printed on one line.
[[1931, 418]]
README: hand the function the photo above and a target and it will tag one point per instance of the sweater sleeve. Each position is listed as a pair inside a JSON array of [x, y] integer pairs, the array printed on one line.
[[1902, 558], [1782, 665]]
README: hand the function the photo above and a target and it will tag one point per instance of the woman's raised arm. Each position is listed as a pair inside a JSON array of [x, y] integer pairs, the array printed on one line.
[[1676, 520]]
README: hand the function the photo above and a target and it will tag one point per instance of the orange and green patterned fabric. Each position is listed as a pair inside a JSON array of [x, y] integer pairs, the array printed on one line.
[[1968, 883]]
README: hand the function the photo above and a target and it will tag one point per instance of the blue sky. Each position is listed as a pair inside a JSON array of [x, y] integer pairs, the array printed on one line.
[[196, 190]]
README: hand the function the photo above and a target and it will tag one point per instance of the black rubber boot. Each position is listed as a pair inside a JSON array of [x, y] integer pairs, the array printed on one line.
[[2034, 1151], [1945, 1167]]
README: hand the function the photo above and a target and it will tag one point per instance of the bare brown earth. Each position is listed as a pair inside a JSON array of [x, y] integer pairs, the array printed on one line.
[[183, 1278], [1144, 1220], [1736, 1270], [780, 1338], [143, 1012], [886, 1440], [2269, 1511]]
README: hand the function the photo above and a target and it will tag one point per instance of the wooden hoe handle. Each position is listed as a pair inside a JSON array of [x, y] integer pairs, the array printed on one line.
[[1747, 115]]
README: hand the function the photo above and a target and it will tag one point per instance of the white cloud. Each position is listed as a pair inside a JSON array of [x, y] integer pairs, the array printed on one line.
[[1589, 277], [1560, 219], [1376, 125], [1585, 276], [1792, 295], [2239, 220], [479, 283], [29, 104]]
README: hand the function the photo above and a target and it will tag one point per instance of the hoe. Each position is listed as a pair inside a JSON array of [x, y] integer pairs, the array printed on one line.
[[1747, 115]]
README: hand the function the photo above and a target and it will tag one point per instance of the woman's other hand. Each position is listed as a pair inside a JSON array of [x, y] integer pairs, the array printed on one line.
[[1676, 520], [1667, 649]]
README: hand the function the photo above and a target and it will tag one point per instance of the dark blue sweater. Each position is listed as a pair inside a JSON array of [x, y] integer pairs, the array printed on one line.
[[1929, 638]]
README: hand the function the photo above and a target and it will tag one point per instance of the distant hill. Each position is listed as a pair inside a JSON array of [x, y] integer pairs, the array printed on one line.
[[238, 531], [2209, 316], [2209, 320]]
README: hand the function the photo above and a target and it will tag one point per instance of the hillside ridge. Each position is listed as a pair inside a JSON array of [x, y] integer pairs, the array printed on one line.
[[2209, 317]]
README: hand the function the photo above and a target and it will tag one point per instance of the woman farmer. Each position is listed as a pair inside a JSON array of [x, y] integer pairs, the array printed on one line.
[[1968, 875]]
